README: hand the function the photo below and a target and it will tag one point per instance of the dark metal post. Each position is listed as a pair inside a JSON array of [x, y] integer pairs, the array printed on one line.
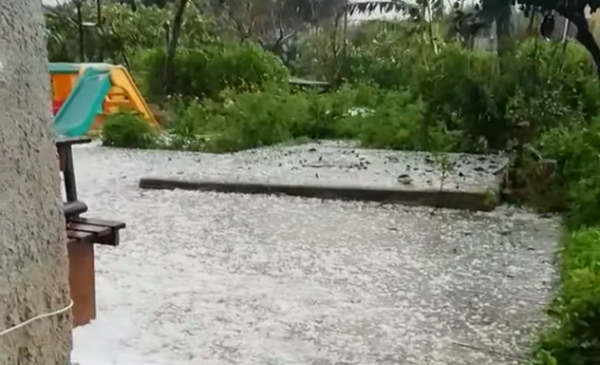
[[69, 174], [81, 31], [100, 28]]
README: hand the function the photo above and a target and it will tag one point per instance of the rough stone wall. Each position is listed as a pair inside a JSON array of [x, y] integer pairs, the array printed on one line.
[[33, 258]]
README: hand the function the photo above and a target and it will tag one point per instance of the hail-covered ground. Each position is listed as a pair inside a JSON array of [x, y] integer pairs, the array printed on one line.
[[218, 279]]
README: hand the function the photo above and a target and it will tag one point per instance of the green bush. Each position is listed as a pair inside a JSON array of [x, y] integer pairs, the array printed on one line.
[[259, 119], [575, 340], [576, 148], [567, 70], [205, 72], [481, 96], [127, 130], [386, 64], [489, 97], [186, 129], [379, 52], [398, 123], [253, 119], [339, 114], [241, 121]]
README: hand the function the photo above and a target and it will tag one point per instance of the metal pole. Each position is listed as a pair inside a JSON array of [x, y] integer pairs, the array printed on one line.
[[69, 172], [81, 31], [100, 28]]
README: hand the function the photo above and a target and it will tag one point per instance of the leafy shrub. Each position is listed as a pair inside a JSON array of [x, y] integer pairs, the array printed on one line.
[[184, 128], [457, 89], [481, 96], [260, 119], [206, 71], [398, 123], [576, 338], [566, 68], [338, 115], [128, 130], [238, 120], [489, 97], [378, 52], [386, 65], [576, 148], [241, 121], [253, 119]]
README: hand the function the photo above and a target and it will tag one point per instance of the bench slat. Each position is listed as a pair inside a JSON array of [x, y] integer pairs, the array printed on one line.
[[99, 230], [103, 232], [98, 222], [110, 239]]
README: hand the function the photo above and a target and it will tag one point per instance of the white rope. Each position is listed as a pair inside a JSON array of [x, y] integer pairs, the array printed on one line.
[[41, 316]]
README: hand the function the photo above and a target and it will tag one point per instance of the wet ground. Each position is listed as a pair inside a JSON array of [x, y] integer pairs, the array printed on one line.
[[343, 164], [206, 278]]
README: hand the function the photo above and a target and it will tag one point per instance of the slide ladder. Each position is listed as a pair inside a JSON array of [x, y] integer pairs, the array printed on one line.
[[118, 98], [124, 93]]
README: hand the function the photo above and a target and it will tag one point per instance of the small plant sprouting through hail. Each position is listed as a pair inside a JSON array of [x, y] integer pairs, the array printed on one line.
[[446, 167]]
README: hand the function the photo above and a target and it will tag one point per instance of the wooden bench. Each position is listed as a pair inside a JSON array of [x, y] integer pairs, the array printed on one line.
[[303, 85], [82, 234]]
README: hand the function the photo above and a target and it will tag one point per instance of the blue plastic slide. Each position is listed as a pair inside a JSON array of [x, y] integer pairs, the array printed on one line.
[[76, 116]]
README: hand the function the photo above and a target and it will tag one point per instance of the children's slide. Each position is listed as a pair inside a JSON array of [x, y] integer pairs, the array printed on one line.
[[77, 114]]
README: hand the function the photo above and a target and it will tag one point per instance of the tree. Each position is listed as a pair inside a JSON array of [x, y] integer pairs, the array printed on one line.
[[172, 45], [573, 10], [420, 14], [33, 257], [272, 23]]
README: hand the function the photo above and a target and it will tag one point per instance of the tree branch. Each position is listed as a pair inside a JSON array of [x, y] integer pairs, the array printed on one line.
[[584, 35]]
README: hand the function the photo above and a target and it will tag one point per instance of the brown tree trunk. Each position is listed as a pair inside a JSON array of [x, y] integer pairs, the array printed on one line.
[[584, 35], [33, 256], [172, 46]]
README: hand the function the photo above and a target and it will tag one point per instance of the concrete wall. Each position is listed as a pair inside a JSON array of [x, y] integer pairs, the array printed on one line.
[[33, 259]]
